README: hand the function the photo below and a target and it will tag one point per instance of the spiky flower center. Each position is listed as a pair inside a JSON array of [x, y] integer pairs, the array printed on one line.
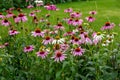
[[71, 20], [85, 36], [77, 13], [107, 24], [80, 27], [73, 37], [28, 47], [21, 15], [98, 33], [110, 39], [42, 52], [59, 24], [47, 38], [77, 50], [13, 31], [76, 39], [58, 54], [57, 37], [90, 17], [76, 20], [5, 20], [37, 31], [57, 46]]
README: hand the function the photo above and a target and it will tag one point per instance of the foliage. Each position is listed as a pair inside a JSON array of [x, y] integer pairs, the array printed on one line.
[[14, 3]]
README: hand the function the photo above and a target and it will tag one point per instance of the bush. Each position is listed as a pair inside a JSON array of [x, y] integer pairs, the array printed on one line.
[[5, 4]]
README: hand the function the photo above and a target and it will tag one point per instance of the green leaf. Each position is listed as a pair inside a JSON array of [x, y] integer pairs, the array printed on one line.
[[65, 63], [58, 74]]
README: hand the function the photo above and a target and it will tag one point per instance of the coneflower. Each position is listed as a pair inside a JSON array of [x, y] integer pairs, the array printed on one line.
[[59, 56]]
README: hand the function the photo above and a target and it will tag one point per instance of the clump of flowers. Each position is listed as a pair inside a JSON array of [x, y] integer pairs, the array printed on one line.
[[13, 32], [78, 51], [22, 17], [37, 32], [72, 34], [108, 26], [59, 56], [5, 22], [1, 15], [51, 7], [28, 48]]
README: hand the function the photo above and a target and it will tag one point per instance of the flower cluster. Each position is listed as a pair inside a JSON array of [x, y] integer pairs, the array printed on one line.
[[70, 36]]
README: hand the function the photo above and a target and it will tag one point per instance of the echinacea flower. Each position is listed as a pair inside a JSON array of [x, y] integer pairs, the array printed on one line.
[[109, 40], [108, 26], [37, 32], [29, 48], [51, 7], [39, 2], [59, 56], [11, 9], [35, 20], [70, 21], [42, 54], [80, 27], [19, 9], [16, 19], [70, 33], [30, 6], [105, 43], [59, 26], [90, 19], [13, 32], [58, 40], [22, 17], [5, 22], [75, 14], [93, 12], [76, 41], [78, 51], [47, 15], [75, 31], [110, 36], [43, 20], [32, 14], [1, 15], [77, 22], [9, 14], [97, 37], [64, 46], [2, 46], [47, 40], [6, 44], [69, 10], [86, 39], [56, 47]]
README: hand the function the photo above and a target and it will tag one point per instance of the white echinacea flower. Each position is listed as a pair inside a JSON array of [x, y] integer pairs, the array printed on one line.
[[58, 40], [38, 1]]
